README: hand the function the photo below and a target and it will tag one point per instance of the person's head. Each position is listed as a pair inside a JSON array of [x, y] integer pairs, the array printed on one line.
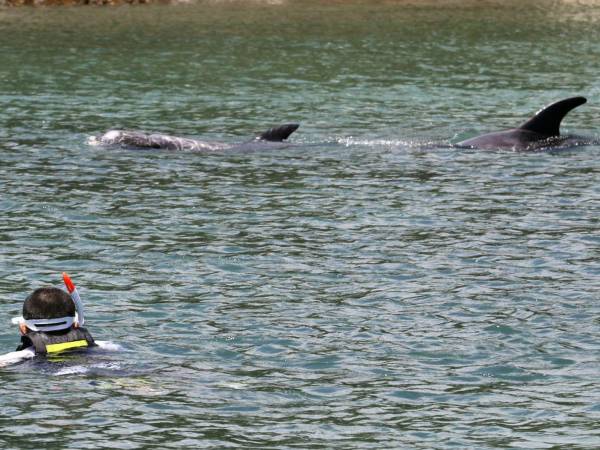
[[48, 303]]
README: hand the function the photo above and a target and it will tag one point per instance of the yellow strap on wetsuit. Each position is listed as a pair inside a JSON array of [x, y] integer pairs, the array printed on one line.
[[53, 348]]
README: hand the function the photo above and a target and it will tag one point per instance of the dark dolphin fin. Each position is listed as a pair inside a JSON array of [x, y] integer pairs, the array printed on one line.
[[280, 133], [547, 121]]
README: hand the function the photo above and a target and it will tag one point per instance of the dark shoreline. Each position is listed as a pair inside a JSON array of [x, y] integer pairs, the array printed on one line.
[[438, 3], [17, 3]]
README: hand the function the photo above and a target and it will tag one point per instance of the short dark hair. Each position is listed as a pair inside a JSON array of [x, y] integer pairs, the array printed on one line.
[[48, 303]]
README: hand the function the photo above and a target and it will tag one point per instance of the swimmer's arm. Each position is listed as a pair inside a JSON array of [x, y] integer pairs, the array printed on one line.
[[15, 357], [110, 346]]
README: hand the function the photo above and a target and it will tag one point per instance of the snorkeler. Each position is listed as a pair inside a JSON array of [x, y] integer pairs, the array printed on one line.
[[52, 320]]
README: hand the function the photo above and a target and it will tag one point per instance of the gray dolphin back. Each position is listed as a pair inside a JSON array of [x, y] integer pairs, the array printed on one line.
[[547, 121], [141, 140], [540, 131]]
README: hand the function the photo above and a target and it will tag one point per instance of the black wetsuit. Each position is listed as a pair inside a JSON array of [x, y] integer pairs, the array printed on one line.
[[53, 341]]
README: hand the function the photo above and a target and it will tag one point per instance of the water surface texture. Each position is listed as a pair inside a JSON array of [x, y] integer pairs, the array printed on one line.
[[366, 288]]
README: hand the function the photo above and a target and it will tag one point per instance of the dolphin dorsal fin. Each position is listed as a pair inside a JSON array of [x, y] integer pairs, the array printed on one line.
[[547, 121], [280, 133]]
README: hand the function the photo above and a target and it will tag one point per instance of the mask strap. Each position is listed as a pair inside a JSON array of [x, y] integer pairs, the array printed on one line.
[[54, 324]]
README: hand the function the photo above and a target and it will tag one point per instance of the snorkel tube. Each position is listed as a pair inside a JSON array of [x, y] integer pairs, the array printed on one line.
[[76, 299]]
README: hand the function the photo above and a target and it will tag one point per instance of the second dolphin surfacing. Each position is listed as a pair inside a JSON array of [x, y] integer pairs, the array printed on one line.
[[273, 137], [540, 131]]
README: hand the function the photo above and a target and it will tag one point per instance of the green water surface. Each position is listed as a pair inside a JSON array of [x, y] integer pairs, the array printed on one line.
[[368, 287]]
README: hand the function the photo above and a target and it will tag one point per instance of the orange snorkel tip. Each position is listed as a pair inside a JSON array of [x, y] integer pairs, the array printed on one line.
[[68, 283]]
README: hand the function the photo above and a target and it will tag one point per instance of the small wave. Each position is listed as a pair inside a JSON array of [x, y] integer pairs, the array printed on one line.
[[81, 369], [390, 143], [233, 385], [93, 140], [72, 370], [110, 346]]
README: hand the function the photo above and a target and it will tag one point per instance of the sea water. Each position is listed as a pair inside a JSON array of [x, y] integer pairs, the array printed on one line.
[[368, 287]]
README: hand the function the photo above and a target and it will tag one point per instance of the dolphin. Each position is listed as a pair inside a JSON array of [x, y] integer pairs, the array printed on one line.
[[540, 131], [273, 137]]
